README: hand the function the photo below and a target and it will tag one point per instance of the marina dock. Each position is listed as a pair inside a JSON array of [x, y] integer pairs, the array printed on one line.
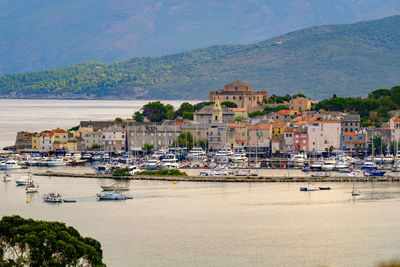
[[236, 179]]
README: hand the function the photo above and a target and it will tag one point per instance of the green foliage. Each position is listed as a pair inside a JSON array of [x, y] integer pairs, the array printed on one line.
[[275, 109], [185, 108], [255, 114], [95, 146], [121, 172], [138, 116], [375, 108], [201, 105], [185, 139], [240, 118], [118, 119], [147, 147], [27, 242], [201, 143], [277, 99], [157, 111], [229, 104], [76, 128], [172, 172]]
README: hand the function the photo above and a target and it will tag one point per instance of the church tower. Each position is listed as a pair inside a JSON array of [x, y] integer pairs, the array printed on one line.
[[217, 112]]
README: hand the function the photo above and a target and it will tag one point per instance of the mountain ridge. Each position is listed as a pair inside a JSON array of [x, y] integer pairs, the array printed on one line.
[[319, 60]]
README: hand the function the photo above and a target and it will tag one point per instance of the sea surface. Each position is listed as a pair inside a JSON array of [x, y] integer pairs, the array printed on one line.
[[222, 224], [36, 115]]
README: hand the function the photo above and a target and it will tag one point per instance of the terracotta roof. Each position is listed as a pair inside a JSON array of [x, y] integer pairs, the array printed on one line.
[[47, 134], [349, 134], [259, 126], [324, 122], [275, 141], [289, 130], [300, 118], [237, 125], [285, 112], [278, 124], [58, 130], [301, 123], [395, 119]]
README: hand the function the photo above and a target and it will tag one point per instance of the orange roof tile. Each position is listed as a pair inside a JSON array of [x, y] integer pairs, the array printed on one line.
[[349, 134], [58, 130], [278, 124], [289, 130], [324, 122], [395, 119], [285, 112], [47, 134], [237, 125], [259, 126]]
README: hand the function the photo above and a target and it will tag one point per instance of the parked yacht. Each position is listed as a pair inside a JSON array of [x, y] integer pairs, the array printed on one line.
[[56, 162], [328, 165], [224, 155], [317, 165], [298, 159], [115, 187], [240, 157], [196, 154], [396, 166], [152, 164], [133, 169], [24, 180], [32, 187], [111, 196], [9, 165], [342, 164], [388, 159], [52, 197], [169, 162]]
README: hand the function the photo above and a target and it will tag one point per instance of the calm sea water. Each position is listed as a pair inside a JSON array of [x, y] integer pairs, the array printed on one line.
[[223, 224], [204, 224], [37, 115]]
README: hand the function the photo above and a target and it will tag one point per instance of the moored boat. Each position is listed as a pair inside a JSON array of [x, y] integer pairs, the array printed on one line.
[[52, 197], [114, 187], [111, 196]]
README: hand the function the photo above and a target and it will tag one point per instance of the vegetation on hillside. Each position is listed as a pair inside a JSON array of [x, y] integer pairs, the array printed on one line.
[[344, 59], [27, 242]]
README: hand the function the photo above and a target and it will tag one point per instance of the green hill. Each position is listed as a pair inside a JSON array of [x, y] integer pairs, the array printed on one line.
[[347, 60]]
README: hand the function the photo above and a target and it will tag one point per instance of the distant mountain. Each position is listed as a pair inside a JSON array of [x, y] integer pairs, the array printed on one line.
[[38, 35], [348, 60]]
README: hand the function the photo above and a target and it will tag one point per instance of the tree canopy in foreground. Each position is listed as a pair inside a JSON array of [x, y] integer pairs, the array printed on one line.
[[27, 242]]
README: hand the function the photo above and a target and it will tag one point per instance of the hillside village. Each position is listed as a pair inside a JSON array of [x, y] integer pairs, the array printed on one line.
[[296, 128]]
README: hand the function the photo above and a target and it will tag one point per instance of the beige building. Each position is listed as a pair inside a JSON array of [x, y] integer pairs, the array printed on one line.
[[214, 114], [236, 134], [240, 93], [300, 104], [259, 134], [114, 138]]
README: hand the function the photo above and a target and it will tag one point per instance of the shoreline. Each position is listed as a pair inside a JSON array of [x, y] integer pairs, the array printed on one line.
[[224, 179]]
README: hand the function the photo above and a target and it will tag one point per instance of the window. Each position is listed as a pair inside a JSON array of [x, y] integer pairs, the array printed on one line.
[[304, 141]]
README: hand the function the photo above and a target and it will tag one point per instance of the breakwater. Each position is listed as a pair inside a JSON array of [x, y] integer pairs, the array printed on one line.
[[236, 179]]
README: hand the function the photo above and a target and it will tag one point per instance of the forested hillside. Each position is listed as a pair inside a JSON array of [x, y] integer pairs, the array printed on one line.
[[347, 60]]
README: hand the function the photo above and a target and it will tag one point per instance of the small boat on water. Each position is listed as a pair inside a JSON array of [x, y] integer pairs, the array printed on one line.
[[115, 187], [355, 191], [52, 197], [320, 175], [309, 188], [6, 178], [23, 181], [111, 196], [32, 187], [325, 188]]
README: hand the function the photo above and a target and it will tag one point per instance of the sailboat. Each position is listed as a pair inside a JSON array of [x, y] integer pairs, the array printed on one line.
[[6, 177], [355, 191]]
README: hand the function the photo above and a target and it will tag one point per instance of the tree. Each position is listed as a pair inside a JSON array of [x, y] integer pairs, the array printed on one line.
[[156, 111], [185, 107], [118, 119], [185, 139], [201, 105], [239, 118], [147, 147], [27, 242], [95, 146], [138, 116], [229, 104], [169, 111], [187, 115]]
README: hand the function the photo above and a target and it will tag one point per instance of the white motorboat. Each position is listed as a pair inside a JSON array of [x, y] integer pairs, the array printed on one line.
[[317, 165], [56, 162], [10, 164], [396, 166], [196, 154], [298, 159], [320, 175], [32, 187], [169, 162], [309, 188], [223, 156], [239, 157], [111, 196], [52, 197], [342, 164], [388, 159], [24, 180], [152, 164], [133, 169], [328, 165], [115, 187], [354, 173]]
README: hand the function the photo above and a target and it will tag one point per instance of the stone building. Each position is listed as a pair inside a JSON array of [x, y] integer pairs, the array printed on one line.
[[350, 123], [214, 114], [237, 134], [240, 93], [300, 104], [114, 138], [24, 141]]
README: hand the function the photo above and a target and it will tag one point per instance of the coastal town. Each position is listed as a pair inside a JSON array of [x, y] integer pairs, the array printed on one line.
[[224, 122]]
